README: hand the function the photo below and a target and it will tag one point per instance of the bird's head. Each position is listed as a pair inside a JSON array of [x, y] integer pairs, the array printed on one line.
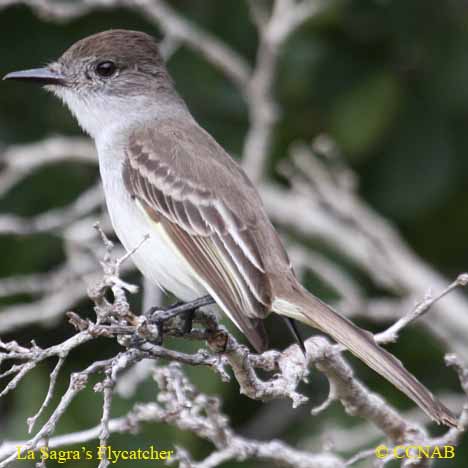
[[112, 76]]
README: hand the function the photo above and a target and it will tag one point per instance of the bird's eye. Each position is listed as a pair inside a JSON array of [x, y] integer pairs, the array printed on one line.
[[106, 69]]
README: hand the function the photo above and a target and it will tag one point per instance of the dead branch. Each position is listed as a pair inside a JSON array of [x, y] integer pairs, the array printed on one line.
[[140, 335]]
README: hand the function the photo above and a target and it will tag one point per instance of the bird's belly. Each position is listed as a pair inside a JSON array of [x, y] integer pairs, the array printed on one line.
[[155, 257]]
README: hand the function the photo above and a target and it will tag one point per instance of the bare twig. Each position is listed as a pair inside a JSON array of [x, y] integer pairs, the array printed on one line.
[[50, 392], [391, 334], [106, 387]]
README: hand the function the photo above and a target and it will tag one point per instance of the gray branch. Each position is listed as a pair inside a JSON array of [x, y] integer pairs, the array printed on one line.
[[179, 403]]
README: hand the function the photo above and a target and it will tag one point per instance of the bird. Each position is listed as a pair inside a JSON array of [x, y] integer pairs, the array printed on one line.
[[166, 177]]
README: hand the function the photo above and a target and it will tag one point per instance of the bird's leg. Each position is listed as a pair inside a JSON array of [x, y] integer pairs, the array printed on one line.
[[159, 316], [156, 311], [188, 322]]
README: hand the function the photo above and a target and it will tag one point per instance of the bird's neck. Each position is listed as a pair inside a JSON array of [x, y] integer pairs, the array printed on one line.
[[105, 117]]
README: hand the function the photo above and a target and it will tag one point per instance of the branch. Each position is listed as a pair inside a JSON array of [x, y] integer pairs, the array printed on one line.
[[322, 205], [286, 16], [181, 405], [139, 335], [391, 334], [212, 48]]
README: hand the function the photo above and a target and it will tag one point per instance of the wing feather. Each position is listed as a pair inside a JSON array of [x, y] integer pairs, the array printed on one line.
[[218, 243]]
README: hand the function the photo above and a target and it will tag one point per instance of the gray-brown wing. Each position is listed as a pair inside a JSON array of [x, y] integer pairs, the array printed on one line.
[[178, 180]]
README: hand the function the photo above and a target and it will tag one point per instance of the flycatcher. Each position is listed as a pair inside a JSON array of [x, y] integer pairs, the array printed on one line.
[[165, 176]]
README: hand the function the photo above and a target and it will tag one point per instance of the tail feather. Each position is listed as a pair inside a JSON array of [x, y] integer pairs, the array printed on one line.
[[311, 311]]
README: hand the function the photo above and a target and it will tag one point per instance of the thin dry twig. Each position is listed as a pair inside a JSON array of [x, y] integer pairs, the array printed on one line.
[[50, 392], [391, 334]]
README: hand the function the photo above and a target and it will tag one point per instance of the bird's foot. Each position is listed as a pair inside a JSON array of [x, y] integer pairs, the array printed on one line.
[[159, 316]]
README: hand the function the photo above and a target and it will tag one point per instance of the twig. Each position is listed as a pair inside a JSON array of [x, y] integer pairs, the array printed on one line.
[[285, 17], [390, 335], [50, 392], [219, 54], [106, 387]]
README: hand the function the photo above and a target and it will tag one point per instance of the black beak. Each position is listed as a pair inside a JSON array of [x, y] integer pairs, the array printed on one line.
[[43, 76]]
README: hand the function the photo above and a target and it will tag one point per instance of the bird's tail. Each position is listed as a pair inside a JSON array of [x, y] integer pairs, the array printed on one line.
[[306, 308]]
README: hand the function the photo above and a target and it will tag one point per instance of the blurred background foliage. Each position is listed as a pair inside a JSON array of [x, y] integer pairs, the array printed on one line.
[[386, 79]]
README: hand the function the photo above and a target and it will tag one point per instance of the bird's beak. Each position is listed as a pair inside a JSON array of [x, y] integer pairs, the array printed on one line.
[[43, 76]]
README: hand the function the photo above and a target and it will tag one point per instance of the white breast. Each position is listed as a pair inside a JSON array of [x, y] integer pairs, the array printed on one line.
[[155, 258]]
